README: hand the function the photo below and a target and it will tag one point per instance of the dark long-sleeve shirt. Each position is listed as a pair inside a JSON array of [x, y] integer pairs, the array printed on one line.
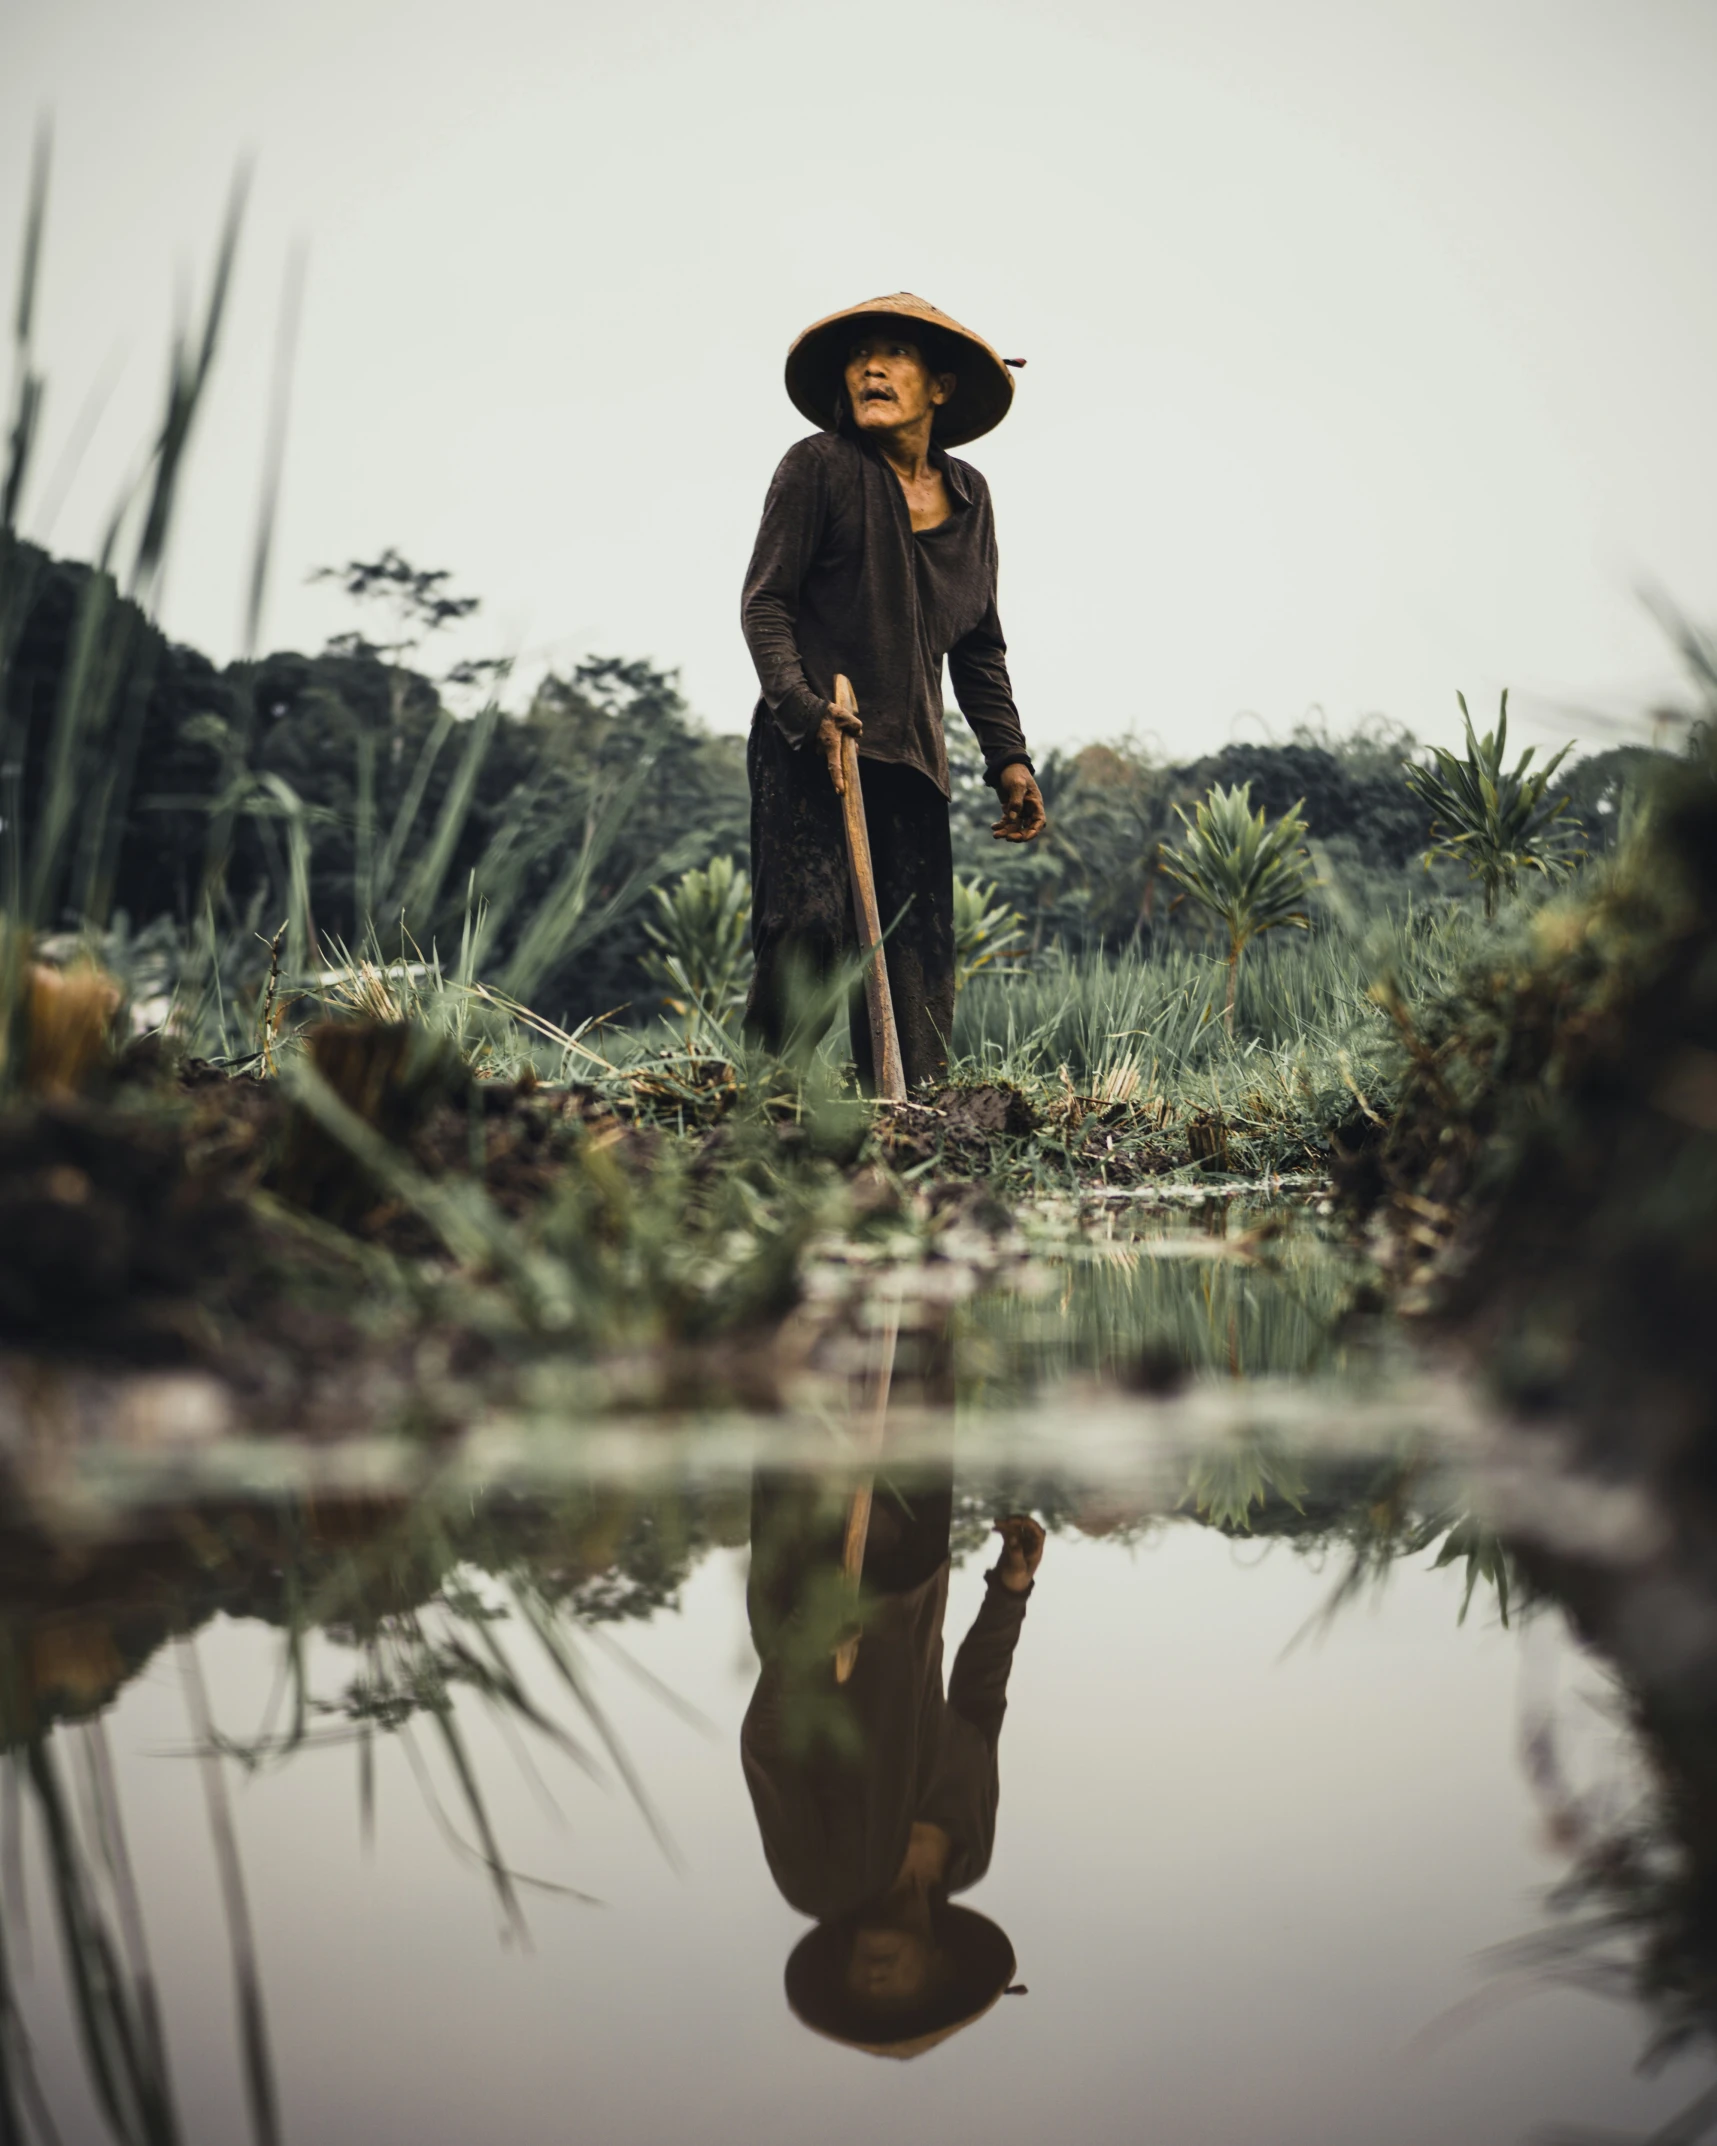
[[840, 581], [835, 1822]]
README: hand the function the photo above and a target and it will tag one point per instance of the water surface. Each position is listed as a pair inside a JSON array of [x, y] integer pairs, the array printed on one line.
[[422, 1814]]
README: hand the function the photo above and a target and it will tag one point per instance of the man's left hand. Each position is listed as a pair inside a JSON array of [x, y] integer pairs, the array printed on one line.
[[1022, 805]]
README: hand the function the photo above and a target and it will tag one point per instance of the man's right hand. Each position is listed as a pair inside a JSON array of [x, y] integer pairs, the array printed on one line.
[[837, 724], [1022, 1551]]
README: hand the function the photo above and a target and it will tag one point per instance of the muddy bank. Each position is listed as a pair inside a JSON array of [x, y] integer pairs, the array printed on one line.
[[1546, 1198], [371, 1220]]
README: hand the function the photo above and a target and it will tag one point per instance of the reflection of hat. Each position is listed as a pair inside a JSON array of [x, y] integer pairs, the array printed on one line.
[[977, 1962], [980, 401]]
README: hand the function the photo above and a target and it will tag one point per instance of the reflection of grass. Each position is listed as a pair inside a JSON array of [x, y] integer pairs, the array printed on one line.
[[448, 1606], [409, 1590], [1365, 1513], [1635, 1919], [428, 1597], [429, 1628], [104, 1943], [429, 1607], [247, 1983], [1120, 1313], [1405, 1511], [103, 1946]]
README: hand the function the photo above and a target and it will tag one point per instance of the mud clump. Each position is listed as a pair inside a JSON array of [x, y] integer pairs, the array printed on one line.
[[106, 1226], [991, 1112], [958, 1127]]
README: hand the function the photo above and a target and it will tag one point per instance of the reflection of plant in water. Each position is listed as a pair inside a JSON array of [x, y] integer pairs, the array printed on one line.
[[1637, 1912], [1224, 1484], [429, 1597], [431, 1608], [1375, 1513], [1062, 1508], [1404, 1513], [107, 1961], [1635, 1923], [414, 1666], [1487, 1559], [404, 1587], [103, 1940], [1259, 1304]]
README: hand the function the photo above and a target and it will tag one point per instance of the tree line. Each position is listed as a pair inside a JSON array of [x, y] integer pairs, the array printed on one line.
[[372, 785]]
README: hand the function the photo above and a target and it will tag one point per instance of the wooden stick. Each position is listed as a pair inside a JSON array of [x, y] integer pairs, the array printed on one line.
[[858, 1510], [885, 1058]]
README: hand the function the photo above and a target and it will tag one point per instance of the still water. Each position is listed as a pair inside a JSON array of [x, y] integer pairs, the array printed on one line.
[[518, 1799]]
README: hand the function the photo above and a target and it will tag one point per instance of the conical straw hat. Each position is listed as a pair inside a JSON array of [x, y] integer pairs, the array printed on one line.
[[979, 1965], [817, 361]]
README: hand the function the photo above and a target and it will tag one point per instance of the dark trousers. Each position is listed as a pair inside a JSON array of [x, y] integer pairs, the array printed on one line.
[[802, 910]]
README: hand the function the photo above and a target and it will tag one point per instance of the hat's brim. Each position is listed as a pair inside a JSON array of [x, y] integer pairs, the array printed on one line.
[[984, 387], [976, 1953]]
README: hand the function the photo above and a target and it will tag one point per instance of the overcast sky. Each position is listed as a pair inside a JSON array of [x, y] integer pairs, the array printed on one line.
[[1372, 348]]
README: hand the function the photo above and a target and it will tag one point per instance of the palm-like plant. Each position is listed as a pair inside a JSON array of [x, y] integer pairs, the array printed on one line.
[[1251, 875], [700, 939], [985, 930], [1499, 822]]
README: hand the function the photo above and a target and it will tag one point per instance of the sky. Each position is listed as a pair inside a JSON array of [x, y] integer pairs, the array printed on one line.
[[1370, 347]]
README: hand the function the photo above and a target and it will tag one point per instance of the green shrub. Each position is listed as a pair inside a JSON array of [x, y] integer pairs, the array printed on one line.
[[1497, 821], [700, 937], [1251, 876]]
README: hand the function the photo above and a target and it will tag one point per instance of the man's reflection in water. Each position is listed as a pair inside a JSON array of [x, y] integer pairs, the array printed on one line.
[[876, 1799]]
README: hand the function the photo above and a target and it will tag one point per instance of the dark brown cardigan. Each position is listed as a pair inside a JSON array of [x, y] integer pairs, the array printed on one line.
[[839, 581]]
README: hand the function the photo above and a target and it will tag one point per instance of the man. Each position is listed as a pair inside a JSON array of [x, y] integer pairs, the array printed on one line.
[[876, 1799], [876, 559]]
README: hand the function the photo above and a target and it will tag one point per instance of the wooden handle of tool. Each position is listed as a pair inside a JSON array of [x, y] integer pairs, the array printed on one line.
[[879, 1001], [852, 1568], [858, 1510]]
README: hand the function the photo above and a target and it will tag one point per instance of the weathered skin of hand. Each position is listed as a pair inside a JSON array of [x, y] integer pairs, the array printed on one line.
[[830, 731], [1022, 1551], [1023, 816]]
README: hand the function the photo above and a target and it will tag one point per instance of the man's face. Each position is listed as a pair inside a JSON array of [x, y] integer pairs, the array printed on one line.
[[891, 385], [890, 1967]]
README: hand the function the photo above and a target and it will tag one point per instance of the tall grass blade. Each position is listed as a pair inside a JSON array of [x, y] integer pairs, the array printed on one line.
[[187, 378], [302, 950], [423, 889], [364, 830], [25, 2118], [567, 919], [247, 1983], [460, 1212], [489, 1849], [410, 805], [116, 1855], [75, 715], [127, 2067], [274, 450], [571, 1674], [29, 388]]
